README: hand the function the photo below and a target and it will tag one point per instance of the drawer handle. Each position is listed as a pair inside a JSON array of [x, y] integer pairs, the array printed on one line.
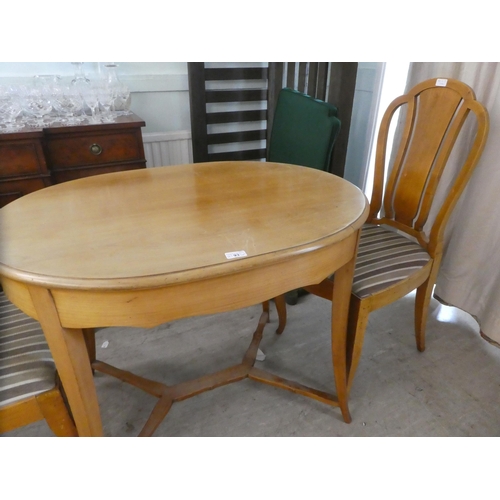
[[95, 149]]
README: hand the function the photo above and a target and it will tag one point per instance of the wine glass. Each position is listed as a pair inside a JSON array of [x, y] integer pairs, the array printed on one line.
[[68, 105], [10, 110], [106, 95], [60, 103], [38, 105], [123, 99], [91, 99], [73, 104]]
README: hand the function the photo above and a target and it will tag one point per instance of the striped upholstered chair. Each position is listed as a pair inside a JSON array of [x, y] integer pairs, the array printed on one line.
[[29, 387], [396, 253]]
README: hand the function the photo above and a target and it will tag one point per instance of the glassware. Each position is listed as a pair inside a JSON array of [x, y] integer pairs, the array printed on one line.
[[74, 106], [80, 80], [121, 101], [124, 100], [46, 82], [36, 104], [106, 98], [48, 86], [62, 105], [10, 110], [91, 99]]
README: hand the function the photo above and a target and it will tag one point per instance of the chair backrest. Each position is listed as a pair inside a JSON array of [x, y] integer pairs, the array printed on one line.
[[304, 130], [436, 110]]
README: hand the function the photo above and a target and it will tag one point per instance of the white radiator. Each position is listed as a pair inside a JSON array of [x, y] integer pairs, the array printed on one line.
[[167, 148]]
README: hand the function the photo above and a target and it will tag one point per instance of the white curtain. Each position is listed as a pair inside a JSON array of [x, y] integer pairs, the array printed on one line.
[[469, 277]]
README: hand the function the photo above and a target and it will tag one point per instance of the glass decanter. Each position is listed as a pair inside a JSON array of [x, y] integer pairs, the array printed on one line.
[[80, 79], [120, 92]]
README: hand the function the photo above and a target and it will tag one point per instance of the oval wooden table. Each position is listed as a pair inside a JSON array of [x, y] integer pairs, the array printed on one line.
[[144, 247]]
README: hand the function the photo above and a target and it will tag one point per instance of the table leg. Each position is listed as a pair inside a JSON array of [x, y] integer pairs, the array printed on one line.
[[68, 348], [340, 309]]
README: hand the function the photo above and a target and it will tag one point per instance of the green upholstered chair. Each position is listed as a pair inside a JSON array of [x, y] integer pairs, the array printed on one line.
[[304, 130], [303, 133]]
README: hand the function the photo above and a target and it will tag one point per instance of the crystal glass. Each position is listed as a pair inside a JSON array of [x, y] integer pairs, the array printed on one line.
[[91, 99], [46, 82], [37, 105], [106, 96], [10, 110], [124, 100], [121, 102], [79, 80], [73, 104], [68, 105], [49, 85]]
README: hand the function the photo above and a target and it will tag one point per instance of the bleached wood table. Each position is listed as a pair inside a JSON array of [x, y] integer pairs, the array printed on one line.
[[144, 247]]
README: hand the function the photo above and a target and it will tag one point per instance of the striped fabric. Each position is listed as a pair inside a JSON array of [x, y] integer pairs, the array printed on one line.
[[384, 258], [26, 366]]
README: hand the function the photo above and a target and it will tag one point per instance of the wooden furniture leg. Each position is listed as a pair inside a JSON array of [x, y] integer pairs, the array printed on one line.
[[56, 414], [356, 328], [89, 336], [69, 350], [340, 308], [281, 310]]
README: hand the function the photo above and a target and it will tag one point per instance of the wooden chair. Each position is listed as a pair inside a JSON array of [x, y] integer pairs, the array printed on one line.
[[29, 387], [396, 253]]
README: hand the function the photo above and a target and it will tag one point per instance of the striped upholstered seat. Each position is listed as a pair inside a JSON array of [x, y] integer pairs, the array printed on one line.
[[26, 366], [384, 258]]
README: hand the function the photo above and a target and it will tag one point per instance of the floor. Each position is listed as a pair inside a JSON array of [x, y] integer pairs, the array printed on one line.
[[452, 389]]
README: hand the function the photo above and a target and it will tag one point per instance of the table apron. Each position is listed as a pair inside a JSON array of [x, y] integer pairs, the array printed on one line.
[[79, 308]]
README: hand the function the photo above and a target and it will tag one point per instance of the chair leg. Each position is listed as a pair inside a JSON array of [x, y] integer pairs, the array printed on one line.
[[356, 327], [56, 413], [281, 310], [265, 308], [422, 301]]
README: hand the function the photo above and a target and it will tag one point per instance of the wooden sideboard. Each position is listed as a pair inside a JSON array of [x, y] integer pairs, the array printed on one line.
[[32, 159]]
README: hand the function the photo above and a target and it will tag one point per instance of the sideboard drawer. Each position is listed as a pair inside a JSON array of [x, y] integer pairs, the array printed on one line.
[[20, 157], [69, 151], [14, 189]]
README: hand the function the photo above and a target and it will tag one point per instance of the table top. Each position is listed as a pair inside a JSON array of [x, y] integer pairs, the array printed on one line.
[[159, 226]]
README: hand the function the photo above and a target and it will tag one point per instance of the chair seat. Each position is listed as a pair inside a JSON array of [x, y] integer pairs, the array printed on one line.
[[384, 259], [26, 365]]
